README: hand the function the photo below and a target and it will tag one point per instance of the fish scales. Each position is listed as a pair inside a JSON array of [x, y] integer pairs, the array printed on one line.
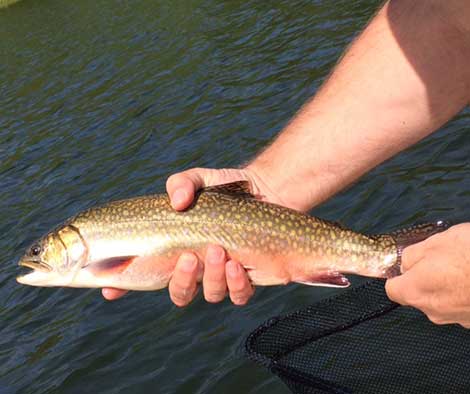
[[134, 243], [269, 228]]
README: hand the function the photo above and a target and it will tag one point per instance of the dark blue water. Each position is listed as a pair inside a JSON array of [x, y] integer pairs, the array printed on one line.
[[102, 100]]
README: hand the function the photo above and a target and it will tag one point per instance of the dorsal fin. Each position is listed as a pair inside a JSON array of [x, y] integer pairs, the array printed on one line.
[[238, 189]]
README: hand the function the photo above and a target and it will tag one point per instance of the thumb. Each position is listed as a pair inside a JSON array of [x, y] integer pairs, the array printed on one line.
[[397, 289], [412, 255], [182, 186]]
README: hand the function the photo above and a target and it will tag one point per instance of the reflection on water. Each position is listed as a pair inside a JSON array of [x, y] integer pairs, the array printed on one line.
[[103, 100]]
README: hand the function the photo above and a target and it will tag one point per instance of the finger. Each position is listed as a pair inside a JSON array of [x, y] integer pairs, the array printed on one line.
[[465, 324], [240, 288], [182, 187], [396, 290], [112, 294], [436, 318], [183, 284], [412, 255], [214, 282]]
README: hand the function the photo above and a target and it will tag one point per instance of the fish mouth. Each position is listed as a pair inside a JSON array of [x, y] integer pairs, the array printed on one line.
[[36, 265], [40, 275]]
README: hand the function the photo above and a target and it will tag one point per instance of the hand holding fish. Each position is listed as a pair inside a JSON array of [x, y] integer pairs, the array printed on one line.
[[436, 277], [218, 273]]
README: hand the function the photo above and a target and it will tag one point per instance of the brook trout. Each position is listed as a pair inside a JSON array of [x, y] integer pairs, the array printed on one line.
[[134, 244]]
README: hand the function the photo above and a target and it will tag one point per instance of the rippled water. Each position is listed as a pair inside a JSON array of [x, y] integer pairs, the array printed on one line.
[[103, 100]]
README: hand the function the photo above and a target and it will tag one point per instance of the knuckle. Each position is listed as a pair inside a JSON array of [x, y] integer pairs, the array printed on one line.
[[183, 298], [436, 319], [419, 302], [406, 264], [185, 282], [214, 278], [197, 170], [182, 295], [430, 305], [239, 287], [391, 290], [178, 300], [214, 296], [215, 255], [240, 283], [185, 277], [237, 293], [172, 179], [214, 270], [240, 300], [241, 297], [422, 303]]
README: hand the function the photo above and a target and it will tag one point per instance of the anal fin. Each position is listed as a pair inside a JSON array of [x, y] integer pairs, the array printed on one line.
[[325, 279]]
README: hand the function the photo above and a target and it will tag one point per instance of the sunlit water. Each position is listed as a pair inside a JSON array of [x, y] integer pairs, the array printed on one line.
[[102, 100]]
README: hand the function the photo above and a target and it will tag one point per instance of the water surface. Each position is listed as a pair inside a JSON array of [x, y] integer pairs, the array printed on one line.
[[103, 100]]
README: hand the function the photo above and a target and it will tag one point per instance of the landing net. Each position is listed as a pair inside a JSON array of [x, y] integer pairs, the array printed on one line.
[[361, 342]]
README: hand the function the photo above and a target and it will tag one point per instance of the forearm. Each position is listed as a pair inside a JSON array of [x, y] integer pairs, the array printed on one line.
[[402, 78]]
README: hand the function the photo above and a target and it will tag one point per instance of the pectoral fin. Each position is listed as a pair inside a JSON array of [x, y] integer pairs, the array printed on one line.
[[111, 265]]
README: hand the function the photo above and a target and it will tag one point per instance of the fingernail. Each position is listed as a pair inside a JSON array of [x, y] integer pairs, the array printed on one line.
[[188, 262], [179, 197], [233, 269], [214, 255]]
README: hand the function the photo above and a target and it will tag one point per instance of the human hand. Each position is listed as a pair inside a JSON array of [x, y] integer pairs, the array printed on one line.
[[218, 273], [182, 186], [436, 277]]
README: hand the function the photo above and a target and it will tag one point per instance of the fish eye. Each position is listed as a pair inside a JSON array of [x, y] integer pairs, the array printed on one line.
[[35, 250]]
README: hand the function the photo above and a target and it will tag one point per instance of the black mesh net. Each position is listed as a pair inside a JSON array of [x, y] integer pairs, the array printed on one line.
[[361, 342]]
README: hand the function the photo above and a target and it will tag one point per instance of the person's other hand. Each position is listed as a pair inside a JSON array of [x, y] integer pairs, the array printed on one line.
[[220, 275], [436, 277]]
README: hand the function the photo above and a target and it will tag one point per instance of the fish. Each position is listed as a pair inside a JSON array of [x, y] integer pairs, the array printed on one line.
[[133, 244]]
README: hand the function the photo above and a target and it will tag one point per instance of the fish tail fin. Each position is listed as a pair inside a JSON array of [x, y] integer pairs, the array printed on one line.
[[411, 235]]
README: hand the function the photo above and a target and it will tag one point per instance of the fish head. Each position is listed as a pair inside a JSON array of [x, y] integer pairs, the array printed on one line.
[[55, 259]]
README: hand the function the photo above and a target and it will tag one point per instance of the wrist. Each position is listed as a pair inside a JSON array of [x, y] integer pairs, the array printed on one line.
[[264, 184], [272, 183]]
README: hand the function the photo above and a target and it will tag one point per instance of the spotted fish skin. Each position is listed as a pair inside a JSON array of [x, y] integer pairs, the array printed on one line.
[[133, 244]]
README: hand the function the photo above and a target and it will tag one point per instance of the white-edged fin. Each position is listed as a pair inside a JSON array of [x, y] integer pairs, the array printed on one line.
[[325, 279], [322, 284]]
